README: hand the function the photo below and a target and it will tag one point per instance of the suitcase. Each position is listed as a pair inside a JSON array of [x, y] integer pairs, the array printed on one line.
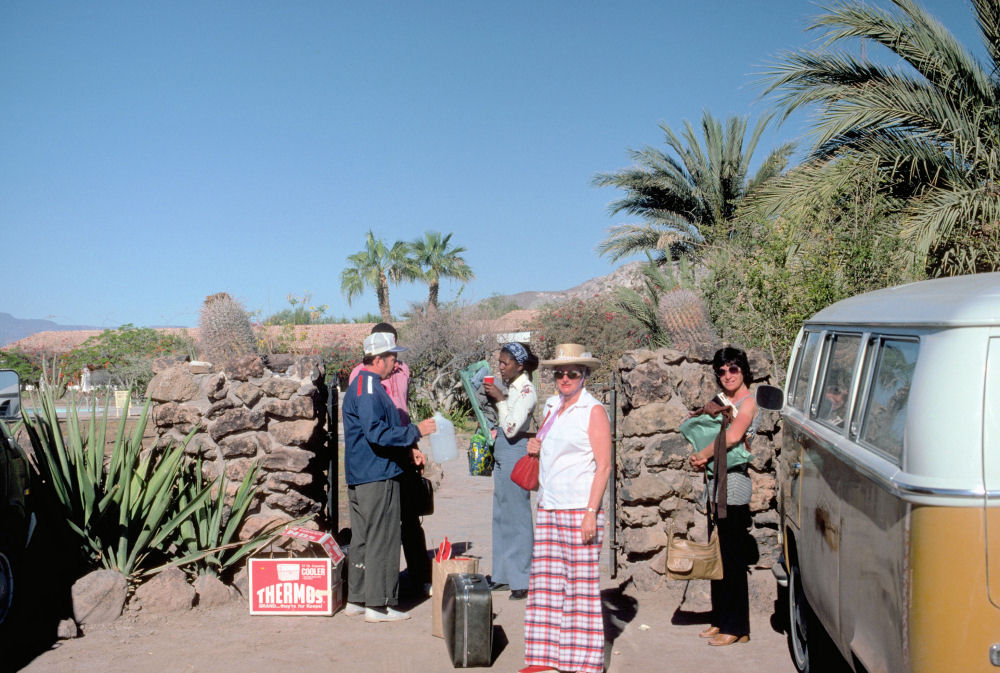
[[467, 617]]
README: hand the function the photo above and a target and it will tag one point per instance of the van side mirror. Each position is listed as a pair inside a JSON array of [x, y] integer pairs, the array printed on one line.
[[10, 395], [770, 397]]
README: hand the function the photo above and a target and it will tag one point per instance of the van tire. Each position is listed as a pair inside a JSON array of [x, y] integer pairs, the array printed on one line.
[[810, 646], [6, 586]]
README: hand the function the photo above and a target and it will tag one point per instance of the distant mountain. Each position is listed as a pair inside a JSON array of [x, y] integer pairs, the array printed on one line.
[[12, 329], [627, 275]]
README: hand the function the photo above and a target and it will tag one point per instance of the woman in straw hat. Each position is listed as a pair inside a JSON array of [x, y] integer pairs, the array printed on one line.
[[563, 626]]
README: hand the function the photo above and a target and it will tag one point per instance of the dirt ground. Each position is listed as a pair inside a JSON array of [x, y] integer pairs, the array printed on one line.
[[649, 632]]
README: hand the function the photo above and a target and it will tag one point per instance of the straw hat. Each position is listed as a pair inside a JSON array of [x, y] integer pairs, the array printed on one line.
[[571, 354]]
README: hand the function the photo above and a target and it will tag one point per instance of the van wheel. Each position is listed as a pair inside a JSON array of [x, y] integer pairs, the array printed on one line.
[[802, 624], [6, 586]]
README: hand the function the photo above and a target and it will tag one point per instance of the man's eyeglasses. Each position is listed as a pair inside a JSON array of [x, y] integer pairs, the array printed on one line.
[[571, 374], [731, 369]]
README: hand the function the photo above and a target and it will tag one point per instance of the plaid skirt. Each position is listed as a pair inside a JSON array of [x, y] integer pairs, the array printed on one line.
[[563, 624]]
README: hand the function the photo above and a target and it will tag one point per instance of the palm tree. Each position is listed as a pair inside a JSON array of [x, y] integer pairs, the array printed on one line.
[[437, 261], [931, 128], [690, 199], [376, 266]]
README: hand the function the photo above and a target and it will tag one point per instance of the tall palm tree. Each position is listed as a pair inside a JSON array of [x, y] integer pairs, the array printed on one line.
[[437, 261], [376, 266], [692, 198], [932, 127]]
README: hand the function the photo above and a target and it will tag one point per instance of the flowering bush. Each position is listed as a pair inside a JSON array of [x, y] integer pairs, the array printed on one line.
[[339, 359], [596, 323], [126, 353]]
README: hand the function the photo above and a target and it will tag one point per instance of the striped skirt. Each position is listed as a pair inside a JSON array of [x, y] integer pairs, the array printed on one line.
[[563, 624]]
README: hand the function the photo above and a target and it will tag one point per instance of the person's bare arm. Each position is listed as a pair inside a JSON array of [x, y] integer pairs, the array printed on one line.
[[599, 431]]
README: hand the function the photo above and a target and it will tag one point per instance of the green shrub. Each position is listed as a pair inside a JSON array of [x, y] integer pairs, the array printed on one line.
[[778, 271], [27, 365], [126, 353], [124, 509], [597, 323]]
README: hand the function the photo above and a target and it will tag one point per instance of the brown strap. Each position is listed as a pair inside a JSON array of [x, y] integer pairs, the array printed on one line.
[[721, 466]]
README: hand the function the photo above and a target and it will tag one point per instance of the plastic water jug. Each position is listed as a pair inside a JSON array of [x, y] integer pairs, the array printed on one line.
[[443, 445]]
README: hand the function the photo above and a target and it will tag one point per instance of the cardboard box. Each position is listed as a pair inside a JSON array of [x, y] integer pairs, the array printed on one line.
[[299, 586]]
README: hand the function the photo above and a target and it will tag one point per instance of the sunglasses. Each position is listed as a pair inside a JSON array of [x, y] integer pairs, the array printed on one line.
[[731, 369], [572, 374]]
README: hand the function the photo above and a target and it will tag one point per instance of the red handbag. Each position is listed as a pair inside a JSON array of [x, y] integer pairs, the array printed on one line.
[[525, 473]]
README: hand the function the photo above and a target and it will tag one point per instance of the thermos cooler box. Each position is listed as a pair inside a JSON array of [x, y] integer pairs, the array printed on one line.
[[467, 617]]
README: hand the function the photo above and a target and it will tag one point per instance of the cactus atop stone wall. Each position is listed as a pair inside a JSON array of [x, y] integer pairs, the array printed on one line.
[[226, 332]]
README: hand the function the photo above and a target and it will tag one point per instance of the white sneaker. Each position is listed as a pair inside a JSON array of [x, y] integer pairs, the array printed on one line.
[[390, 615], [354, 609]]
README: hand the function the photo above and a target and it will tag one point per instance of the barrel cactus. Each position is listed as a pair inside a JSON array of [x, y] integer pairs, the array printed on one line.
[[226, 332]]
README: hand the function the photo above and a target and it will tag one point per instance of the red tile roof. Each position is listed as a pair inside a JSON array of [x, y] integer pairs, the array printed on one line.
[[299, 339]]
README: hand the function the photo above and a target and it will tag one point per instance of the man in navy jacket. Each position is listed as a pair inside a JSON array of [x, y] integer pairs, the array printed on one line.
[[377, 443]]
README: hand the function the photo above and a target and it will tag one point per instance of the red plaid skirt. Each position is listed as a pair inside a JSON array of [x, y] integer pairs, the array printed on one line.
[[563, 624]]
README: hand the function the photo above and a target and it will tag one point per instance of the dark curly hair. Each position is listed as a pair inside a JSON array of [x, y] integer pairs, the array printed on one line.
[[732, 355]]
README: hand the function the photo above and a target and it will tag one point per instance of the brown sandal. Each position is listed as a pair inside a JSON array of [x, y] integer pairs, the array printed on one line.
[[723, 639], [709, 632]]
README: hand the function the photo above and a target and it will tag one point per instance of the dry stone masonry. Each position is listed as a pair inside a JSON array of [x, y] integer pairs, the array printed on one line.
[[656, 487], [247, 413]]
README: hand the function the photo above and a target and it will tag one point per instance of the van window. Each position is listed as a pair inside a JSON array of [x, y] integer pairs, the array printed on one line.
[[885, 411], [803, 370], [831, 408]]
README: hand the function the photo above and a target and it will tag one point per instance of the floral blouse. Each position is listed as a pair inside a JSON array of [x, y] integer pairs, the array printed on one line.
[[514, 413]]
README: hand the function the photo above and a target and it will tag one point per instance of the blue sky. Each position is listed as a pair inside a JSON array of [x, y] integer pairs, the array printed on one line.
[[152, 154]]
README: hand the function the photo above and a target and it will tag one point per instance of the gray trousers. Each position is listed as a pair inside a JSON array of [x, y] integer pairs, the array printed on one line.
[[373, 574], [513, 534]]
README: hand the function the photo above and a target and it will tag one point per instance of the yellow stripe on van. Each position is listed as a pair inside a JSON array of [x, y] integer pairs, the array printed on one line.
[[952, 623]]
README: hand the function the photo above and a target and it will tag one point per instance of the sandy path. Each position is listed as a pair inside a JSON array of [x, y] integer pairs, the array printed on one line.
[[228, 640]]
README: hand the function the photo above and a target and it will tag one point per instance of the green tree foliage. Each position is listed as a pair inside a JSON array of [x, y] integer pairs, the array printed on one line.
[[126, 353], [778, 271], [27, 365], [930, 128], [596, 322], [691, 198], [375, 267], [437, 260]]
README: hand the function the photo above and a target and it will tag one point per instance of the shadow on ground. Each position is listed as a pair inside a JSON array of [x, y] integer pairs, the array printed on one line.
[[619, 611]]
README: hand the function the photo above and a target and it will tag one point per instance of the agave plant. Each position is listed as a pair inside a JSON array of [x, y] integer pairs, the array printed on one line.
[[124, 505], [206, 538]]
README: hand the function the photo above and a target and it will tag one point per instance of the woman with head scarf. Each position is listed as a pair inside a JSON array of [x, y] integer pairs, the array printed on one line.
[[512, 531], [563, 625]]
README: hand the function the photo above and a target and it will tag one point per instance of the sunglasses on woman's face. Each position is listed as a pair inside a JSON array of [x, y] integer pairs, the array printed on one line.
[[731, 369], [571, 374]]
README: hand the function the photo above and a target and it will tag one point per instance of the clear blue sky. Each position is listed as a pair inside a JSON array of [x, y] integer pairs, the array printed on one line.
[[155, 153]]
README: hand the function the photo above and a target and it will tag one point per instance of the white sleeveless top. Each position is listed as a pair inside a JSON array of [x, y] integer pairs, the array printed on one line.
[[566, 465]]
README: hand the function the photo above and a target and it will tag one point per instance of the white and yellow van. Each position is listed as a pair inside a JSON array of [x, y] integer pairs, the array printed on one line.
[[889, 480]]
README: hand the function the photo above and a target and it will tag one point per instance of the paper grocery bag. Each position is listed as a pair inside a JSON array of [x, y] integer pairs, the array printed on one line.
[[439, 573]]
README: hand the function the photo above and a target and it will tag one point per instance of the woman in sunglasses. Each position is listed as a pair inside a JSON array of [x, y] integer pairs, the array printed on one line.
[[563, 626], [730, 599], [512, 534]]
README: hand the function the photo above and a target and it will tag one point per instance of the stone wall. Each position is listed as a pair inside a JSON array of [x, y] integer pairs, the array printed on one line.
[[656, 486], [248, 412]]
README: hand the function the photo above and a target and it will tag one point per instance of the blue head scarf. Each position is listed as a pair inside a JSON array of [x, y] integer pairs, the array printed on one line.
[[517, 351]]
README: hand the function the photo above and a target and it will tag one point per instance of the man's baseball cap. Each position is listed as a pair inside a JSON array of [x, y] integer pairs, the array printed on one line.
[[380, 343]]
